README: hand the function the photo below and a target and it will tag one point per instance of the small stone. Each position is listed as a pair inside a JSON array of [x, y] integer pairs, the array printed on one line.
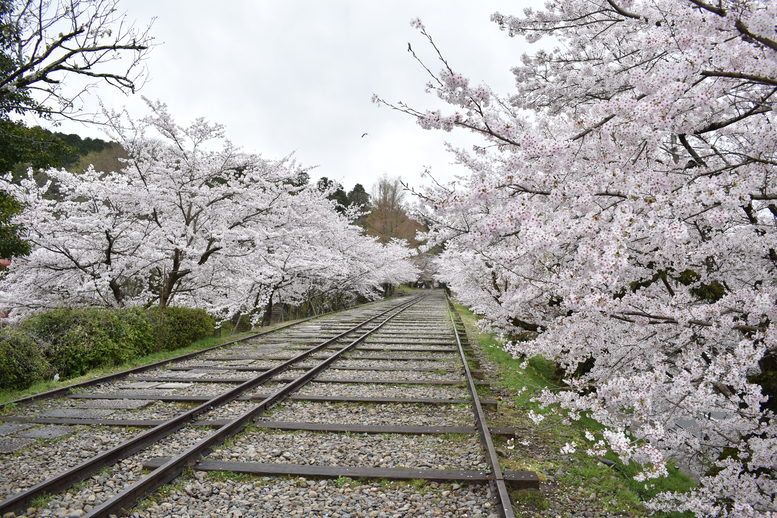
[[139, 385]]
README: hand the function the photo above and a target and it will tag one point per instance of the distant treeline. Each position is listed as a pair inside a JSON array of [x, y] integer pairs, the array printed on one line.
[[384, 212], [77, 147], [22, 147]]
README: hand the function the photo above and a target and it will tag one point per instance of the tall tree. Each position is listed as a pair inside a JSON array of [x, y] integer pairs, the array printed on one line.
[[359, 200], [388, 218], [43, 42], [624, 210], [11, 98], [22, 146], [358, 197], [334, 191], [11, 243], [189, 221]]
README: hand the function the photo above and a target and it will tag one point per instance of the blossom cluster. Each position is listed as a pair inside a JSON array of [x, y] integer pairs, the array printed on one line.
[[622, 221], [190, 220]]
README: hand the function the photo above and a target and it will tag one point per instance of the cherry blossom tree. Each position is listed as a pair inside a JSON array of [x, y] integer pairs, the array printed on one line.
[[622, 210], [190, 220], [315, 250]]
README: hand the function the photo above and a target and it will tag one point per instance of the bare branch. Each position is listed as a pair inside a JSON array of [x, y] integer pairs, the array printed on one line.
[[53, 40]]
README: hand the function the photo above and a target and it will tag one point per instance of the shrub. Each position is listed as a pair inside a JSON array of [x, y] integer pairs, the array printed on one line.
[[141, 331], [178, 327], [73, 341], [77, 340], [22, 362]]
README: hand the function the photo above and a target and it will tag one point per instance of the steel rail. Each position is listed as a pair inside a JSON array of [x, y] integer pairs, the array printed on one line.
[[143, 368], [66, 479], [174, 467], [501, 494]]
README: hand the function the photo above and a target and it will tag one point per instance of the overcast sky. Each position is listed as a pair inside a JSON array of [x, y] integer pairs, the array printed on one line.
[[298, 76]]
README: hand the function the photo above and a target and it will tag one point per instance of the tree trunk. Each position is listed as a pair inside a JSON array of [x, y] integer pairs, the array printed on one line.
[[268, 312]]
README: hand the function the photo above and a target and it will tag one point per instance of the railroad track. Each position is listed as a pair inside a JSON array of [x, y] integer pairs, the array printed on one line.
[[381, 392]]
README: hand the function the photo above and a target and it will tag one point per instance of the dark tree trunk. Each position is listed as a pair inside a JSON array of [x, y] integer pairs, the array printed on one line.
[[267, 318]]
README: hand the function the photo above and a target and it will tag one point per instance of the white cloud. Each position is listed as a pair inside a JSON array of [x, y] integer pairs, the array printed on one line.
[[298, 75]]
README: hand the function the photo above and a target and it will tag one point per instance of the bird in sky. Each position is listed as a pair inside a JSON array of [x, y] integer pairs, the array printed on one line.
[[364, 134]]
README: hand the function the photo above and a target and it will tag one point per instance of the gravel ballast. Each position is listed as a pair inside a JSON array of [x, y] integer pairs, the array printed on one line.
[[408, 364], [105, 484], [368, 375], [272, 497], [371, 414], [372, 450], [46, 458], [386, 391]]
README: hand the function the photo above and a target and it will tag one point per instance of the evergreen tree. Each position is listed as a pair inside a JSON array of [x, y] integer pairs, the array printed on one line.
[[11, 245], [336, 192], [358, 197]]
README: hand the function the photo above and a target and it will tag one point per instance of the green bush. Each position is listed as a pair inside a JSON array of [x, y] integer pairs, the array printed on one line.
[[77, 340], [179, 327], [141, 329], [22, 362]]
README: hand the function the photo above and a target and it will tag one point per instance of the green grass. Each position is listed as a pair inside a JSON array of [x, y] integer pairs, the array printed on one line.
[[41, 501], [342, 481], [405, 290], [7, 395], [614, 487], [419, 484], [532, 498], [164, 492]]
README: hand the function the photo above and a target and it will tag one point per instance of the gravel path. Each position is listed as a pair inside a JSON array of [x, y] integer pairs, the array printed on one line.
[[372, 390], [159, 410], [357, 354], [366, 364], [271, 497], [352, 413], [105, 484], [227, 363], [238, 376], [383, 451], [230, 410], [204, 389], [321, 355], [404, 340], [412, 347], [25, 468], [367, 375], [266, 388]]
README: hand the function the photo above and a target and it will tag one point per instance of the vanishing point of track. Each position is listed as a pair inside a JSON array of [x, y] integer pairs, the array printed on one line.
[[203, 410]]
